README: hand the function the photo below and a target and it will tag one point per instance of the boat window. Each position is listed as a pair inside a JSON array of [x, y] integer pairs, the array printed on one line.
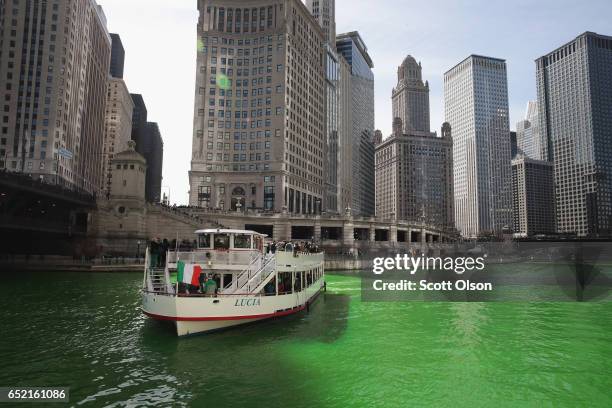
[[242, 241], [204, 241], [221, 241]]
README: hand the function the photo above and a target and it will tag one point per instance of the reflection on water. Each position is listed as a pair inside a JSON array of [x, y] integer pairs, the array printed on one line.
[[86, 331]]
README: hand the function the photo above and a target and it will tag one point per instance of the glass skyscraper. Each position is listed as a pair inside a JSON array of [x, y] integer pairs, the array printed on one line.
[[354, 51], [575, 116], [528, 136]]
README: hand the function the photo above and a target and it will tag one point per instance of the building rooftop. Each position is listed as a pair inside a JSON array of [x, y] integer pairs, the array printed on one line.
[[475, 56], [585, 34], [356, 38]]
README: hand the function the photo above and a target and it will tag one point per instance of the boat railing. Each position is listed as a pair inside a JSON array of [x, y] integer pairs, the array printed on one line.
[[217, 257], [244, 276], [262, 276]]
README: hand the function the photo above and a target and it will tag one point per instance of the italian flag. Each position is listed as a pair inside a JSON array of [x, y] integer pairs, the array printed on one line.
[[189, 273]]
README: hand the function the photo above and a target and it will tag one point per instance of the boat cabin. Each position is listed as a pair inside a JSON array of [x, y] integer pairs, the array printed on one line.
[[229, 240]]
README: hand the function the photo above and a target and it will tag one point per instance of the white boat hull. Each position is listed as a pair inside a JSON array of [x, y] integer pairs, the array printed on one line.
[[195, 314]]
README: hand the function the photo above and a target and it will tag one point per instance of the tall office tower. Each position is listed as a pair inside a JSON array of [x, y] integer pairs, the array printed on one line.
[[366, 176], [139, 121], [259, 120], [414, 176], [354, 51], [476, 107], [332, 99], [153, 151], [514, 150], [528, 136], [55, 59], [324, 11], [533, 196], [345, 137], [575, 115], [118, 114], [149, 144], [118, 125], [117, 57], [411, 97]]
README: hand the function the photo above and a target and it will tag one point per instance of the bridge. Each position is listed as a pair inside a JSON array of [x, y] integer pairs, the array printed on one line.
[[330, 230], [38, 217]]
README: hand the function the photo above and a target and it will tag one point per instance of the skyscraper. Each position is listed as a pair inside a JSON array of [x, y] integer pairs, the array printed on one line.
[[55, 64], [259, 118], [118, 124], [117, 57], [528, 137], [332, 126], [149, 144], [153, 152], [514, 150], [118, 113], [533, 195], [324, 11], [476, 107], [353, 49], [414, 167], [345, 137], [575, 115], [414, 176], [411, 97]]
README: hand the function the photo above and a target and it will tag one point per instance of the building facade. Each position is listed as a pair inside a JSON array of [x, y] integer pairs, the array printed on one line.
[[153, 152], [118, 125], [332, 126], [139, 121], [411, 97], [259, 119], [352, 48], [575, 104], [528, 136], [117, 57], [150, 145], [514, 150], [324, 11], [345, 137], [476, 107], [55, 63], [533, 194], [414, 177]]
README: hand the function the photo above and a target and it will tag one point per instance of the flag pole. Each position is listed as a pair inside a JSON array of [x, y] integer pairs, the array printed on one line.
[[177, 260]]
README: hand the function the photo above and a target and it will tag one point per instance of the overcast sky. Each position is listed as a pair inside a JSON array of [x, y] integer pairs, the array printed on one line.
[[159, 37]]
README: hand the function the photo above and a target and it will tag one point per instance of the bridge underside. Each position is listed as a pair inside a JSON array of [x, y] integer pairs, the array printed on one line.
[[37, 218]]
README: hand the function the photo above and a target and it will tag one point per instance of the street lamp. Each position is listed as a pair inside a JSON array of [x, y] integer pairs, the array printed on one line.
[[138, 252]]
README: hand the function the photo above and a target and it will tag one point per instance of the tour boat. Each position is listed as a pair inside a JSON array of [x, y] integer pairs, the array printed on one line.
[[231, 277]]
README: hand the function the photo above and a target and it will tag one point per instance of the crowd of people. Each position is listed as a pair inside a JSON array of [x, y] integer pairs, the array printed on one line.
[[295, 247]]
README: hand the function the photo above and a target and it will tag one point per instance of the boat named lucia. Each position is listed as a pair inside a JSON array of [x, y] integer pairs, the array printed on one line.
[[230, 278]]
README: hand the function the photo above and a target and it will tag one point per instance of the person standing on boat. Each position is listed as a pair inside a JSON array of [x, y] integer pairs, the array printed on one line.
[[202, 282], [165, 245], [154, 252], [211, 287]]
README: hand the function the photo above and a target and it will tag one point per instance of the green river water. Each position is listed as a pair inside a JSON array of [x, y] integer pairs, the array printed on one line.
[[86, 331]]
